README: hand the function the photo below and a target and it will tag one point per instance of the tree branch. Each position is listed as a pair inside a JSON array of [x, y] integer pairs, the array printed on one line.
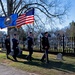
[[17, 5], [40, 19], [46, 13], [2, 8]]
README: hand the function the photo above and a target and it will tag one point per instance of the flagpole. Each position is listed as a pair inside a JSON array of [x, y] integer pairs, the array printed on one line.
[[33, 30]]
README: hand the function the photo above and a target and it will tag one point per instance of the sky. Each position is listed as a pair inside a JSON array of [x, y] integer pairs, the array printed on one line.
[[70, 18]]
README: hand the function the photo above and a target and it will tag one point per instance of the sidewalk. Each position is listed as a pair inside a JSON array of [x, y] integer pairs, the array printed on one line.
[[7, 70]]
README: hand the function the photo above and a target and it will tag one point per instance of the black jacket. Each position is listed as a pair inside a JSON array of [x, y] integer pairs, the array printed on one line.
[[7, 43], [45, 42], [30, 41], [15, 43]]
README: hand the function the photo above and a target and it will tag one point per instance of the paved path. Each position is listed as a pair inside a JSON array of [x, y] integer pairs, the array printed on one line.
[[7, 70]]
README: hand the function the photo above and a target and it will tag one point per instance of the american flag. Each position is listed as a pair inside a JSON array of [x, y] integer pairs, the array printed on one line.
[[26, 18]]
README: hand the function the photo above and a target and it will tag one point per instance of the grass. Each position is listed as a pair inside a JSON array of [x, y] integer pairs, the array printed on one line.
[[55, 67]]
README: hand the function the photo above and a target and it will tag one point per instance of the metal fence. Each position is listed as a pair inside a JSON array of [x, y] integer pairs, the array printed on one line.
[[61, 44]]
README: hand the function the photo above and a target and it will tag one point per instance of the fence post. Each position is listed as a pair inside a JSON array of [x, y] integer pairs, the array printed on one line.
[[2, 42], [63, 43], [40, 43], [74, 45]]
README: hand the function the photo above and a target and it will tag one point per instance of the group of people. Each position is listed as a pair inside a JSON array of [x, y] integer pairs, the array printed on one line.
[[15, 46], [45, 44]]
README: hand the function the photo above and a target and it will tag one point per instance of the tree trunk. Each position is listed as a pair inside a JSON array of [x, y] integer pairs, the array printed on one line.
[[9, 12]]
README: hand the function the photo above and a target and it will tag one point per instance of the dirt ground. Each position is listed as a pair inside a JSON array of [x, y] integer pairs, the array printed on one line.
[[7, 70]]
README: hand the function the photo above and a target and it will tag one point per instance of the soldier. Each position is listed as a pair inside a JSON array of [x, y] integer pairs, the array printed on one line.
[[45, 44], [15, 47], [7, 45], [30, 46]]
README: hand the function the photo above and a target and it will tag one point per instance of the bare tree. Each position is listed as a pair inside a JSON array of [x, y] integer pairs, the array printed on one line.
[[71, 30], [50, 9]]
